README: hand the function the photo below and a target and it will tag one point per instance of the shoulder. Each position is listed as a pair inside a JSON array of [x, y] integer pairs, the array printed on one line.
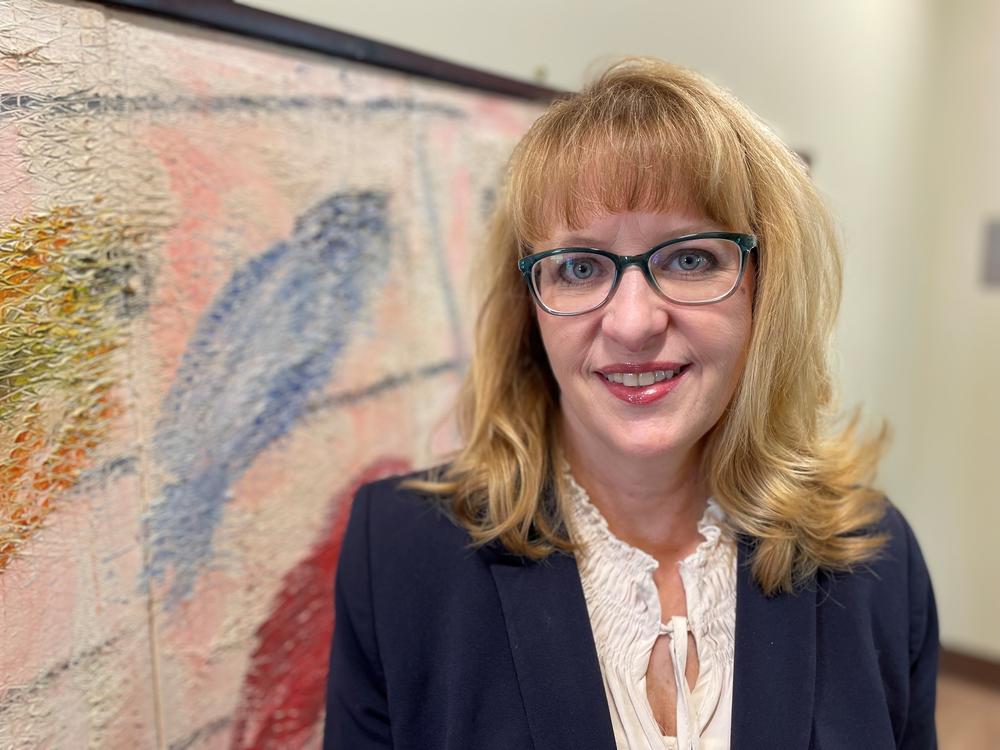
[[899, 562], [407, 533], [902, 549], [892, 591], [902, 561], [392, 511], [877, 641]]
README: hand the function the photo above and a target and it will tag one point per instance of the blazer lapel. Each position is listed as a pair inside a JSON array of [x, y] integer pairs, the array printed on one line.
[[554, 653], [775, 669]]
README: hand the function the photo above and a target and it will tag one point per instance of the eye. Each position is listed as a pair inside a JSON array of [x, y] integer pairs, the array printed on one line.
[[576, 269], [579, 268], [690, 260], [687, 261]]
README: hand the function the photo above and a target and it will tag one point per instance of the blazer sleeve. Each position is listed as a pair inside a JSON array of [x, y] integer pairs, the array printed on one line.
[[357, 713], [920, 732]]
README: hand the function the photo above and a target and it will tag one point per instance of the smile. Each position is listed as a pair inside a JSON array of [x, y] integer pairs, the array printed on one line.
[[635, 379], [640, 385]]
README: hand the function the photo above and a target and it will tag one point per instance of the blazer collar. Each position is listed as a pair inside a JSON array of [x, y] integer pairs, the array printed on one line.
[[554, 653], [555, 658], [775, 670]]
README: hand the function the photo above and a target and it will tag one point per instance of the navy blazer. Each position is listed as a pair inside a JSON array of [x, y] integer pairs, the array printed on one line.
[[439, 646]]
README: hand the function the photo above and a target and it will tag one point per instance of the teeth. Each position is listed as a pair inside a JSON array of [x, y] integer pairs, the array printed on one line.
[[633, 379]]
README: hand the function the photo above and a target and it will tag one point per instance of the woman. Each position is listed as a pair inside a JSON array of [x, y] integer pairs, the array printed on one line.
[[652, 538]]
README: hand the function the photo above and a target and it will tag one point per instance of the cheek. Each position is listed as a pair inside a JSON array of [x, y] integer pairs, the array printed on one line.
[[739, 340], [548, 329], [725, 340], [564, 340], [725, 346]]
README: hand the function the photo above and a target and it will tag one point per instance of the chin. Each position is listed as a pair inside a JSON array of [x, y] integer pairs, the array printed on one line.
[[650, 445]]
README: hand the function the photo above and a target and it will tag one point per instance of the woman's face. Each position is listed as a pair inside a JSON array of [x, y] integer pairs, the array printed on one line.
[[638, 332]]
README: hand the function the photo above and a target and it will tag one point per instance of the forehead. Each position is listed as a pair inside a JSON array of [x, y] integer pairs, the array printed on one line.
[[629, 230], [556, 202]]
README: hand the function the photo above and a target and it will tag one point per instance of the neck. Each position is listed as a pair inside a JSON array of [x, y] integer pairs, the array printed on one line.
[[651, 502]]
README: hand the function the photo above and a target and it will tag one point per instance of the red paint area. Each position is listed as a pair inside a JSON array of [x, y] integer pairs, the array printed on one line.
[[284, 690]]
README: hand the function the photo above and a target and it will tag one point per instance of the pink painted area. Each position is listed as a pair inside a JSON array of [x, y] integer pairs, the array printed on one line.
[[200, 620], [458, 235], [213, 187], [16, 188], [191, 273], [273, 474], [501, 119], [197, 179], [285, 687], [70, 605], [39, 599], [445, 142], [54, 583], [198, 67]]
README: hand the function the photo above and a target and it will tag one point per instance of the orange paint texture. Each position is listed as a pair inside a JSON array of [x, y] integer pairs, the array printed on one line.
[[66, 277]]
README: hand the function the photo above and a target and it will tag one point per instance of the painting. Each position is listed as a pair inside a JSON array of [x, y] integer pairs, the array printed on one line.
[[234, 285]]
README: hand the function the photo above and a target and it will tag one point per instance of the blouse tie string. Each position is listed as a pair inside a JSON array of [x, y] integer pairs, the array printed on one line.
[[687, 721]]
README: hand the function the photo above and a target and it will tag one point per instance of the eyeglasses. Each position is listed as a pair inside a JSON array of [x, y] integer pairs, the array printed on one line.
[[696, 269]]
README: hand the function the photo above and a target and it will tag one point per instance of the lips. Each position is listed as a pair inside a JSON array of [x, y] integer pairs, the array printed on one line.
[[641, 384]]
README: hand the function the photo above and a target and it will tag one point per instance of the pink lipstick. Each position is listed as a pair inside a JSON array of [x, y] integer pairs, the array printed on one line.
[[641, 384]]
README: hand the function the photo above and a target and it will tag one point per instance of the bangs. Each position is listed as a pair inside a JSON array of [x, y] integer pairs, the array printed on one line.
[[627, 148]]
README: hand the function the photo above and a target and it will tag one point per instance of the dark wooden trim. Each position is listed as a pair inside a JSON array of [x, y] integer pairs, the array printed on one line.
[[226, 15], [976, 669]]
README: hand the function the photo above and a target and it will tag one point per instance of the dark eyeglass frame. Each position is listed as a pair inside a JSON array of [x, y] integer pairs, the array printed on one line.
[[746, 242]]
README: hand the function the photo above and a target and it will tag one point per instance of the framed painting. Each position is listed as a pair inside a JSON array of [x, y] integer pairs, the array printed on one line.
[[234, 273]]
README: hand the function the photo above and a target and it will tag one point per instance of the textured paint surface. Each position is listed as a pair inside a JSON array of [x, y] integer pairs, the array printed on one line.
[[233, 287], [66, 290], [285, 684], [235, 392]]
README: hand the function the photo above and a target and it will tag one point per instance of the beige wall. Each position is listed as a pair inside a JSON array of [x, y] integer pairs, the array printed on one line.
[[898, 102], [956, 502]]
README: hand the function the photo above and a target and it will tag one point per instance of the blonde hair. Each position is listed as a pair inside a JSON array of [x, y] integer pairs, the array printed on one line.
[[648, 135]]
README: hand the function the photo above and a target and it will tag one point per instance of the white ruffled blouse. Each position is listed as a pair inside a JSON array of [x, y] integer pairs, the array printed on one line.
[[624, 610]]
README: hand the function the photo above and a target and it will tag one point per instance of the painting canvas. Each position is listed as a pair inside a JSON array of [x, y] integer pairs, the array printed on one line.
[[234, 285]]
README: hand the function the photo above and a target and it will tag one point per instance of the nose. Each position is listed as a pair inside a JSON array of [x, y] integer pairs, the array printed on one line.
[[636, 313]]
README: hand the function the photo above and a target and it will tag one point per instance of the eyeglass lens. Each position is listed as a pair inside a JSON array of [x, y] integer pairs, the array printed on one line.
[[699, 270]]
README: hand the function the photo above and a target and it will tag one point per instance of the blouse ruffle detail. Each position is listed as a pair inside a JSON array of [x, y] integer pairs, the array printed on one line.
[[625, 616]]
